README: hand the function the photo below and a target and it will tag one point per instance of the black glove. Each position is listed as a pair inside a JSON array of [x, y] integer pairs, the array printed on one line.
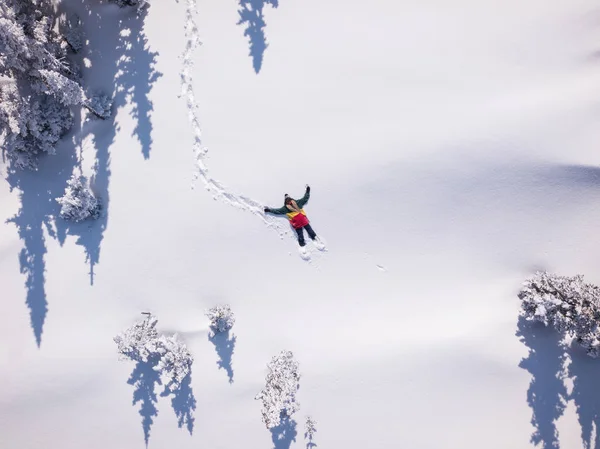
[[267, 210]]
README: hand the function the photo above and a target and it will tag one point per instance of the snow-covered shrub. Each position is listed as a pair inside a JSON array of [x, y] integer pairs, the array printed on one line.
[[100, 104], [568, 304], [221, 318], [175, 361], [168, 355], [310, 428], [139, 341], [279, 395], [78, 203]]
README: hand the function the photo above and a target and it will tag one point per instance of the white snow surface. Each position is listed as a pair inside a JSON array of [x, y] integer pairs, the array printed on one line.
[[452, 151]]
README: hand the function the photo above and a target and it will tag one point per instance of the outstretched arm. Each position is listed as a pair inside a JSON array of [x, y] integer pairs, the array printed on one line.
[[280, 211], [302, 201]]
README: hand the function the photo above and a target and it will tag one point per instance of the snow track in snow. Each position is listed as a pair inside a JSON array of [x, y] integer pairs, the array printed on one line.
[[218, 190]]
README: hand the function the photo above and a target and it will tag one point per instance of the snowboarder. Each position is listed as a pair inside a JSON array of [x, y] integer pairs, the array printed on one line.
[[295, 213]]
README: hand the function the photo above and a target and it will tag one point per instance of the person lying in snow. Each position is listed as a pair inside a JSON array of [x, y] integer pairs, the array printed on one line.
[[298, 219]]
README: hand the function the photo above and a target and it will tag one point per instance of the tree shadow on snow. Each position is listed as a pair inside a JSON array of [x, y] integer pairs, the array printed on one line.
[[38, 210], [547, 393], [251, 16], [284, 434], [183, 403], [310, 444], [144, 379], [225, 346], [585, 373], [119, 56]]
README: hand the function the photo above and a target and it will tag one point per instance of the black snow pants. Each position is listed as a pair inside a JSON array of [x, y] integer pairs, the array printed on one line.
[[309, 230]]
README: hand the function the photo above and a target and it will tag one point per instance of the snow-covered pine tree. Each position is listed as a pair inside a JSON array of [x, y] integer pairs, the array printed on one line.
[[78, 203], [139, 341], [168, 356], [30, 125], [38, 83], [221, 318], [175, 362], [30, 122], [279, 395], [566, 303]]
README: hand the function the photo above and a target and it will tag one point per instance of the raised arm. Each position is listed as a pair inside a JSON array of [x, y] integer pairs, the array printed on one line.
[[302, 201], [281, 211]]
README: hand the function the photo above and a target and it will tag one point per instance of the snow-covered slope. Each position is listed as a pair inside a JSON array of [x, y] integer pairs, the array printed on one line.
[[451, 148]]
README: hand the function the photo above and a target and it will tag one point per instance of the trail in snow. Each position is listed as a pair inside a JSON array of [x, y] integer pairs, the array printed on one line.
[[218, 190]]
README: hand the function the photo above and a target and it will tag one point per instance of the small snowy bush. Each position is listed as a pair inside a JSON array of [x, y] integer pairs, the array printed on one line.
[[168, 355], [221, 318], [175, 361], [279, 395], [139, 341], [310, 428], [568, 304], [78, 203]]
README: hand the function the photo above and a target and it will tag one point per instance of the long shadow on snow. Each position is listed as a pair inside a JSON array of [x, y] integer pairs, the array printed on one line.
[[310, 444], [225, 346], [37, 211], [251, 16], [118, 51], [284, 434], [585, 372], [183, 403], [144, 379], [547, 393]]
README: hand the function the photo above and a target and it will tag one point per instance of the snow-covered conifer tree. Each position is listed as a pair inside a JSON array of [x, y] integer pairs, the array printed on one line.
[[568, 304], [31, 122], [279, 395], [38, 82], [30, 125], [139, 341], [175, 361], [221, 318], [78, 203], [168, 355]]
